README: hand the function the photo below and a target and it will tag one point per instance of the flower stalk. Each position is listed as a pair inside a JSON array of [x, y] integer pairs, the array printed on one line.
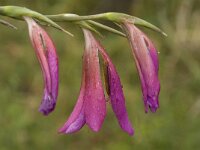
[[109, 16], [19, 12]]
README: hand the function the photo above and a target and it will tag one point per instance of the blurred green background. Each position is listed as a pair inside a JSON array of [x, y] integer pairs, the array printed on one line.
[[176, 125]]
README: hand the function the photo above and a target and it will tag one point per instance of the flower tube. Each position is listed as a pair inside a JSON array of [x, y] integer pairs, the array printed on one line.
[[48, 59], [146, 59]]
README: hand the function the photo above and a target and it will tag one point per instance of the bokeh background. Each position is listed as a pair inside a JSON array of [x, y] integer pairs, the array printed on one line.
[[176, 125]]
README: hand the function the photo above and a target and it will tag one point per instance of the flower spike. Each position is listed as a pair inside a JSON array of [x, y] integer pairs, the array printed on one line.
[[46, 54]]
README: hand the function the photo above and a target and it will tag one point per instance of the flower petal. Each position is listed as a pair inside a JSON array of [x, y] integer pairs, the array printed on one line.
[[116, 93], [95, 103], [152, 50], [46, 54], [147, 64]]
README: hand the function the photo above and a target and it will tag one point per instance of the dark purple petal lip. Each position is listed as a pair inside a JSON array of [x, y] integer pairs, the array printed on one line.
[[146, 59], [47, 56], [48, 104]]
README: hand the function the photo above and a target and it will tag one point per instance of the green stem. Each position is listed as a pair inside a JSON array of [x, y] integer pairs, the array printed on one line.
[[88, 19], [109, 16], [74, 17], [19, 12]]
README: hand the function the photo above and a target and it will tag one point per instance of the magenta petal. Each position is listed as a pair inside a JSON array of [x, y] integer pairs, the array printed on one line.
[[95, 103], [46, 54], [152, 50], [118, 100], [76, 125], [147, 64], [48, 104], [116, 94], [90, 107]]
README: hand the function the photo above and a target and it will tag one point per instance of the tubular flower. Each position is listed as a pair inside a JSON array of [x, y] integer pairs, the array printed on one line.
[[91, 104], [146, 59], [46, 54]]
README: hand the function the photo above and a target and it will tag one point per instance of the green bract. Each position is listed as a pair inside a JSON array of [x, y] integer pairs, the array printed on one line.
[[20, 12]]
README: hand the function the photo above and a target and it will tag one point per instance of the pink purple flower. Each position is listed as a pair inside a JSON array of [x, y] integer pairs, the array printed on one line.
[[91, 105], [46, 54], [146, 59]]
